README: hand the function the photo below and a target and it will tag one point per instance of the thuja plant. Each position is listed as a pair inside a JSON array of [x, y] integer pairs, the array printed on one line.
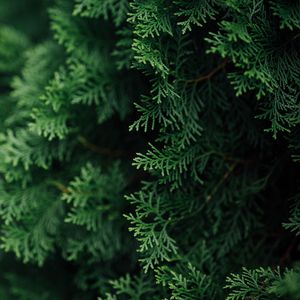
[[149, 149]]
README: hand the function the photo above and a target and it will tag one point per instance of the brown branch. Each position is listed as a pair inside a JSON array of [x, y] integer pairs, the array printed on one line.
[[65, 190], [59, 186], [222, 180], [209, 74], [238, 160], [287, 253], [100, 150]]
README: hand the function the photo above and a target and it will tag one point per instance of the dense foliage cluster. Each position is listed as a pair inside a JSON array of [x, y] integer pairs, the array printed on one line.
[[149, 149]]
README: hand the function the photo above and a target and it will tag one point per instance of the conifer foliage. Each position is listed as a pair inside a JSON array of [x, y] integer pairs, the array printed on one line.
[[149, 149]]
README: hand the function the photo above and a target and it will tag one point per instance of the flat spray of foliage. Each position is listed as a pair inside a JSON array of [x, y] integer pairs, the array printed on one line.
[[149, 149]]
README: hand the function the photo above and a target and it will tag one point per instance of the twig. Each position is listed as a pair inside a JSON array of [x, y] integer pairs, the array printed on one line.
[[210, 74], [59, 186], [238, 160], [100, 150], [287, 253], [224, 177]]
